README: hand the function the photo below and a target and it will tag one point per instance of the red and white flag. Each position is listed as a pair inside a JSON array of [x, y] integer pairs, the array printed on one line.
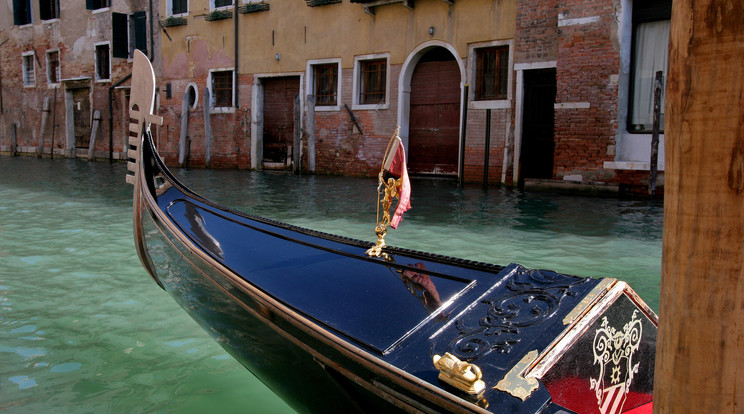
[[395, 164]]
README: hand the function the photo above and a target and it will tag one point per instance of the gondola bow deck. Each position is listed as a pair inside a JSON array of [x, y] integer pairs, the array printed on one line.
[[330, 329]]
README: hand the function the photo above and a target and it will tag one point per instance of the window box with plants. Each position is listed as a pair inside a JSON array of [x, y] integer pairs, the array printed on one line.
[[173, 21], [218, 15], [253, 7]]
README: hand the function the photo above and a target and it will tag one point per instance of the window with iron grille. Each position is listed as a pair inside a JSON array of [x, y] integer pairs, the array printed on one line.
[[103, 68], [222, 88], [29, 76], [53, 70], [373, 81], [325, 78], [492, 73]]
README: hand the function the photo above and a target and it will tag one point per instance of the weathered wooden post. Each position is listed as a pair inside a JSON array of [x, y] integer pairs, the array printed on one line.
[[310, 130], [44, 116], [487, 149], [297, 133], [207, 129], [182, 152], [14, 139], [700, 354], [94, 134], [658, 84]]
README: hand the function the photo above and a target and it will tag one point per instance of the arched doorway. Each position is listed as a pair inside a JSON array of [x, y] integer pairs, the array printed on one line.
[[434, 113]]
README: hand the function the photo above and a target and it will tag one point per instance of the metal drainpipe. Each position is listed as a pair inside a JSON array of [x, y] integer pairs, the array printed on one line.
[[111, 118], [152, 41], [463, 134], [237, 73]]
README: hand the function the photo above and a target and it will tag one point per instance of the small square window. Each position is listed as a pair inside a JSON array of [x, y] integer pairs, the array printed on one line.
[[53, 69], [97, 4], [491, 73], [103, 66], [29, 74], [217, 4], [373, 81], [21, 12], [325, 78], [177, 7], [49, 9], [222, 88]]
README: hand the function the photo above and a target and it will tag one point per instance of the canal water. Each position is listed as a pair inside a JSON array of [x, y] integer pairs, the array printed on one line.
[[83, 329]]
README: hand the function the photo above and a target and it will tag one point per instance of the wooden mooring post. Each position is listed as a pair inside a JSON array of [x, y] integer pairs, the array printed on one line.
[[183, 153], [207, 130], [658, 84], [700, 354], [44, 116]]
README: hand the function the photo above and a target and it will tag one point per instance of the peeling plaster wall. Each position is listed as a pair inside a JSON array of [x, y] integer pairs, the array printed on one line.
[[298, 34], [74, 35]]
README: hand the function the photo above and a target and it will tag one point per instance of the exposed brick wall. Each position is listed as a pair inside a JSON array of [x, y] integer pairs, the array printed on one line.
[[580, 36], [588, 63], [475, 144], [536, 38], [75, 41]]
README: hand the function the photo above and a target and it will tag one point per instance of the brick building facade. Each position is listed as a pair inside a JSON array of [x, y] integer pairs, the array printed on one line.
[[64, 67], [504, 91]]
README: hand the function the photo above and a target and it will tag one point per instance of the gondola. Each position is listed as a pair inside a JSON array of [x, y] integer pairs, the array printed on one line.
[[329, 327]]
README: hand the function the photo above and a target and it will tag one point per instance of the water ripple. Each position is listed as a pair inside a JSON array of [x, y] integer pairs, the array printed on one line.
[[85, 330]]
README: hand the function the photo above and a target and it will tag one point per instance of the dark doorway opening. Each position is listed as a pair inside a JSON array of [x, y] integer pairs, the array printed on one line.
[[81, 116], [538, 121], [278, 114]]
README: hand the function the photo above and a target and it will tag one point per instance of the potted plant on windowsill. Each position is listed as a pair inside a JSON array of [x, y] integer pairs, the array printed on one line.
[[173, 21], [253, 7], [218, 15]]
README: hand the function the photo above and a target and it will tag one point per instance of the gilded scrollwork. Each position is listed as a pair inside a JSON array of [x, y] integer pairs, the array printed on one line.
[[613, 351], [532, 296]]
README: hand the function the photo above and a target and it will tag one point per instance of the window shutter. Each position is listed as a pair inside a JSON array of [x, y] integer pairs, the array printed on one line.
[[90, 4], [119, 38], [140, 31]]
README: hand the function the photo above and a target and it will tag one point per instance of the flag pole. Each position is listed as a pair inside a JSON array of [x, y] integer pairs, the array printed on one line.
[[386, 191]]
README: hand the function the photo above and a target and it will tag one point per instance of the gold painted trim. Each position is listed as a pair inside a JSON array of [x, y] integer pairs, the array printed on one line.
[[515, 382], [566, 339], [589, 300]]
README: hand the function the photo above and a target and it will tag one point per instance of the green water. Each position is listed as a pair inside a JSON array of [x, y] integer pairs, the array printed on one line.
[[83, 329]]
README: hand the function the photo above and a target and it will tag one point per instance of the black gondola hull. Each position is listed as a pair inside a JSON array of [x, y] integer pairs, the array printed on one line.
[[331, 329]]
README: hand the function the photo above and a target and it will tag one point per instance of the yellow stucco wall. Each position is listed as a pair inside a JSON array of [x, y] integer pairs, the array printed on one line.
[[299, 33]]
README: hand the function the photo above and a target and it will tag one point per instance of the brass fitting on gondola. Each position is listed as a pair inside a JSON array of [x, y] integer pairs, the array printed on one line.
[[462, 375]]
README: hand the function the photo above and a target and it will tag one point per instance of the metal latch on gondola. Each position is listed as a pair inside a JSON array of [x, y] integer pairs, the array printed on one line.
[[462, 375]]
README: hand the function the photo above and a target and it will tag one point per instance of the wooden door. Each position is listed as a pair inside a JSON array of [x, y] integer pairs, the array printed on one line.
[[434, 131], [538, 143], [278, 128], [81, 116]]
